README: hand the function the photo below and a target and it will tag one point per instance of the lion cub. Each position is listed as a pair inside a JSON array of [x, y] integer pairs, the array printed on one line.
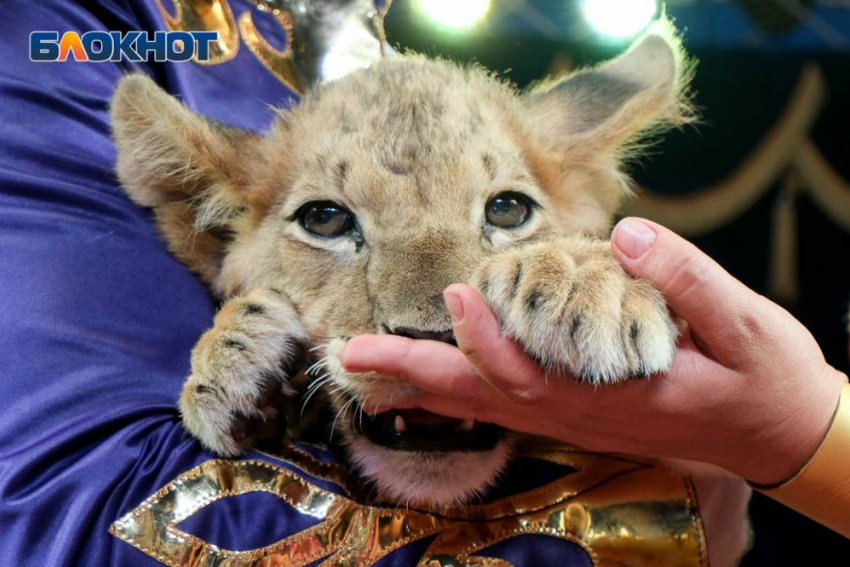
[[356, 209]]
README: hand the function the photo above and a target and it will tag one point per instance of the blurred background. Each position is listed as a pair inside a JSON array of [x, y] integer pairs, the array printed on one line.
[[762, 184]]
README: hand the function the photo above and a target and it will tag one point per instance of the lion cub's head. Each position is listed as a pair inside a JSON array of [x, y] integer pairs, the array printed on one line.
[[379, 190]]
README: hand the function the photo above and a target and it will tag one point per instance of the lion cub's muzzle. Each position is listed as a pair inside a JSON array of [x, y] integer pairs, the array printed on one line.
[[423, 431]]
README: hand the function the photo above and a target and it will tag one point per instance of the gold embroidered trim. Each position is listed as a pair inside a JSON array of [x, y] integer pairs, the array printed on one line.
[[621, 511], [278, 62], [205, 15], [697, 519]]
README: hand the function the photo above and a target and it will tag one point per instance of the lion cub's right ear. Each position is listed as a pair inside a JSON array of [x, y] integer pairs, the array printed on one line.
[[191, 171], [602, 109]]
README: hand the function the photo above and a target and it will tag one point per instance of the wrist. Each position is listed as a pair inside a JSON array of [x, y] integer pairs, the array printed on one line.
[[821, 489], [792, 445]]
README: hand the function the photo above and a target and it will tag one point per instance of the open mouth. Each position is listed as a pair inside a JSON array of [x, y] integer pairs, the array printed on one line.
[[420, 430]]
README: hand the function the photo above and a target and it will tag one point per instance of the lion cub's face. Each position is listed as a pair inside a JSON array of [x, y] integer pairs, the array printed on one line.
[[374, 194]]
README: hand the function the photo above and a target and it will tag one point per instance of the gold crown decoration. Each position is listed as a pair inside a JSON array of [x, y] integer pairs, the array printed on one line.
[[325, 39]]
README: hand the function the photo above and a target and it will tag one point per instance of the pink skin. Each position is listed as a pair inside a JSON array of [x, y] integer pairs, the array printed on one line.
[[749, 389]]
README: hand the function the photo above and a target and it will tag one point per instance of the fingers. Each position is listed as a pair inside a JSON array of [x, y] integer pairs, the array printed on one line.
[[498, 360], [432, 366], [484, 364], [695, 286]]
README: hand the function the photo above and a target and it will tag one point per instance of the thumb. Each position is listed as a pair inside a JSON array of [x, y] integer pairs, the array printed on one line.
[[697, 289]]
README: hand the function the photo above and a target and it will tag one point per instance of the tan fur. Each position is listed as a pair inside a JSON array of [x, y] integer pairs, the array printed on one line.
[[574, 309], [415, 148], [232, 363]]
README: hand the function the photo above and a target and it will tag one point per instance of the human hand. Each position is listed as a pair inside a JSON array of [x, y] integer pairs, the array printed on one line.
[[749, 389]]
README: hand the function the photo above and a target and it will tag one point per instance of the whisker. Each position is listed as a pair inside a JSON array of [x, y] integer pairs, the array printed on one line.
[[341, 412], [346, 407], [316, 366], [311, 391], [318, 382], [360, 408]]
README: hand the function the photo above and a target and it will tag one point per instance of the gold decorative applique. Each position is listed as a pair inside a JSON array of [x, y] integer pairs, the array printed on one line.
[[205, 15], [621, 511], [279, 62]]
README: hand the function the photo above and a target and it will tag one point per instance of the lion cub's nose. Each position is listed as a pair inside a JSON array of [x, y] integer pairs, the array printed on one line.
[[447, 336]]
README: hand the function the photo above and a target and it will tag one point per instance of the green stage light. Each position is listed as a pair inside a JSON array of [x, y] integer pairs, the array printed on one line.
[[454, 13], [619, 18]]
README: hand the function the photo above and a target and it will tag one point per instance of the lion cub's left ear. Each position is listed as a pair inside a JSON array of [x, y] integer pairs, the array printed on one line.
[[604, 107], [194, 173]]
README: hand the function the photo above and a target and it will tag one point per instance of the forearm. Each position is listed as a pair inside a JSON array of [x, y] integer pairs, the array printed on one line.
[[821, 490]]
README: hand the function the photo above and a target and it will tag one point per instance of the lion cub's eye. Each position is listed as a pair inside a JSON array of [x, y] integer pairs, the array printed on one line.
[[508, 209], [325, 218]]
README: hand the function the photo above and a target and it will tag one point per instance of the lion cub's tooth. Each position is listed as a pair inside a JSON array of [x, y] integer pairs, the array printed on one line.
[[400, 426], [467, 425]]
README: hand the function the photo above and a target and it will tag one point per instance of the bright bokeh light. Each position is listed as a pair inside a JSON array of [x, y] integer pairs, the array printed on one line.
[[454, 13], [619, 18]]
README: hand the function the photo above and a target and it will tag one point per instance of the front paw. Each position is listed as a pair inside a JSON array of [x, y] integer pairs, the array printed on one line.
[[574, 309], [240, 372]]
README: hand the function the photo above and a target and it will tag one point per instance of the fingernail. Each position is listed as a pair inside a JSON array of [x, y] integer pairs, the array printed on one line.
[[347, 355], [344, 357], [455, 306], [633, 237]]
